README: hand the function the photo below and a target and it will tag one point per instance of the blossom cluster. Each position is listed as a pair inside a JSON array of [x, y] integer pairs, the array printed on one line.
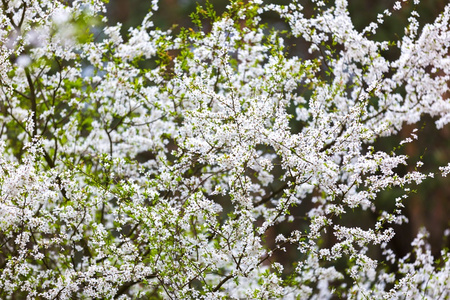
[[184, 163]]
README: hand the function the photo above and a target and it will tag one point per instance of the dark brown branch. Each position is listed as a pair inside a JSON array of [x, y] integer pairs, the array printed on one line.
[[219, 285], [273, 194]]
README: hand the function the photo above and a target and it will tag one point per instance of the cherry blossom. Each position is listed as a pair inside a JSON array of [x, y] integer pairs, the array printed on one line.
[[172, 163]]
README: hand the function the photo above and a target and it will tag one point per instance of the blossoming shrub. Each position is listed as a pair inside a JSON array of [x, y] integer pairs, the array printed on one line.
[[184, 164]]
